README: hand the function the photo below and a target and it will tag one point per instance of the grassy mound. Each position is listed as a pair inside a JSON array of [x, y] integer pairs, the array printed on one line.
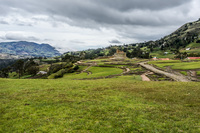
[[107, 105]]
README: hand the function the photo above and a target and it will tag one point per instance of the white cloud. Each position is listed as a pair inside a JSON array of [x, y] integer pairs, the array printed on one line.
[[78, 25]]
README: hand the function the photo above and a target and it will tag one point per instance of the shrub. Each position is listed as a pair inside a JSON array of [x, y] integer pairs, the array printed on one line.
[[33, 70], [58, 74], [198, 41], [76, 68]]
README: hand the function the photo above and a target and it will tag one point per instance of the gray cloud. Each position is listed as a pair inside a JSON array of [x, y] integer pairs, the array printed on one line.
[[76, 42], [3, 22], [19, 37], [129, 12], [136, 20], [114, 41]]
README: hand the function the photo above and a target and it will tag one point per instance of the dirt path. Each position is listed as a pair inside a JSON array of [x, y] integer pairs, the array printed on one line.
[[126, 71], [86, 69], [144, 77], [85, 64], [170, 75]]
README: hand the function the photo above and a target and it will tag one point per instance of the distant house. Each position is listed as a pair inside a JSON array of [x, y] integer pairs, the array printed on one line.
[[188, 49], [164, 58], [41, 73], [119, 55], [193, 58], [155, 58]]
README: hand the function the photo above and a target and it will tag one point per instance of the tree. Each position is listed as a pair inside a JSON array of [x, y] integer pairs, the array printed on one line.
[[33, 70], [28, 64], [5, 72], [19, 67]]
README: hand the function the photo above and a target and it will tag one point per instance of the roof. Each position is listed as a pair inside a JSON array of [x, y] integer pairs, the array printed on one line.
[[164, 59], [42, 72], [193, 58]]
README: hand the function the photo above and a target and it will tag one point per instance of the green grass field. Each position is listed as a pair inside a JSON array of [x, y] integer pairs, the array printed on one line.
[[195, 48], [160, 54], [177, 64], [44, 67], [106, 105], [96, 72]]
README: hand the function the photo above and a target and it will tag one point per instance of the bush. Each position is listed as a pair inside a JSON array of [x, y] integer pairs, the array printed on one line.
[[70, 70], [55, 68], [76, 68], [58, 74], [33, 70], [198, 41]]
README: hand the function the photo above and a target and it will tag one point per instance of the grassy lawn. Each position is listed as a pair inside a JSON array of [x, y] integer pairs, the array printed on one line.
[[193, 45], [95, 72], [44, 67], [106, 105], [198, 72], [184, 73], [81, 68], [160, 54], [176, 64], [196, 50]]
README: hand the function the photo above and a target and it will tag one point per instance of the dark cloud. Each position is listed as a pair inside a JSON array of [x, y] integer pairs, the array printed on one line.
[[114, 41], [3, 22], [129, 12], [19, 37], [76, 42], [136, 20]]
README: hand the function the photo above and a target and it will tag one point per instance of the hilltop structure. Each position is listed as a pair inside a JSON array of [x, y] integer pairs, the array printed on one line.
[[119, 55]]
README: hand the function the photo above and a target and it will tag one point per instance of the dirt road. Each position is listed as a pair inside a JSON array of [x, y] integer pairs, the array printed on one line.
[[170, 75], [145, 78]]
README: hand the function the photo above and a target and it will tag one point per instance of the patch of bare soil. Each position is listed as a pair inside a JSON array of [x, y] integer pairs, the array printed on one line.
[[170, 75]]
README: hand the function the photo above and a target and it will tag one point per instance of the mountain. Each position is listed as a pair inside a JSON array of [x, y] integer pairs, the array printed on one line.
[[184, 39], [188, 34], [24, 48]]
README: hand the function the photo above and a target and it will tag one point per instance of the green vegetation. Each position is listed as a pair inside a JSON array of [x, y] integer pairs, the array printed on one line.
[[198, 72], [177, 64], [183, 72], [193, 45], [81, 68], [30, 48], [160, 54], [94, 72], [187, 65], [44, 67], [114, 105], [58, 74]]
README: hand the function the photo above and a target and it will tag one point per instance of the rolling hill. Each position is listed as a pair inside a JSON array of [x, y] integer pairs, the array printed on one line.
[[188, 34], [28, 49], [184, 39]]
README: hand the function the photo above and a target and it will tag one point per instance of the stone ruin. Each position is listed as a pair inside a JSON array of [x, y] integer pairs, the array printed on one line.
[[119, 55]]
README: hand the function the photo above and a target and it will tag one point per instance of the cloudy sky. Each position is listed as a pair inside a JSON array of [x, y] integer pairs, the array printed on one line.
[[82, 24]]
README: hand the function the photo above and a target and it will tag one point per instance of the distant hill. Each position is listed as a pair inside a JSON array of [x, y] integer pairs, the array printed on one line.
[[24, 48], [188, 34], [185, 39]]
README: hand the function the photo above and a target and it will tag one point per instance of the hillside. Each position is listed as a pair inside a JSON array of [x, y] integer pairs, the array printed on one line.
[[104, 105], [28, 49], [186, 34]]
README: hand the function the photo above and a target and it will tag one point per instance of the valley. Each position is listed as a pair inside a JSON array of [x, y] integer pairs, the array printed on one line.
[[141, 87]]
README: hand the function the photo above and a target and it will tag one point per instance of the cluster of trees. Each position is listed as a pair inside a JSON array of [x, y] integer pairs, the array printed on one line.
[[21, 67], [31, 66], [70, 58], [6, 62], [181, 56], [137, 52], [194, 55], [58, 70], [184, 55]]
